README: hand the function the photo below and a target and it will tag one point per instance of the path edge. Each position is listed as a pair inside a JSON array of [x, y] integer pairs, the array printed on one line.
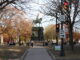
[[52, 56], [23, 56]]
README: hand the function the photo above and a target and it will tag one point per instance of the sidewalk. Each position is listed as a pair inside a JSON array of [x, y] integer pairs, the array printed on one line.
[[37, 53]]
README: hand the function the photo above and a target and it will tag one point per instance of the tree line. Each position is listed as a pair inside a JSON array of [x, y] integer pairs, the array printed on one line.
[[14, 26]]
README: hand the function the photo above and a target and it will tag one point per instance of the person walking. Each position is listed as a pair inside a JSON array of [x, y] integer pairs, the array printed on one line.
[[32, 43]]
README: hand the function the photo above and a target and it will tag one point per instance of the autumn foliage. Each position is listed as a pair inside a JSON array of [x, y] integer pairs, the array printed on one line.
[[50, 33], [14, 26]]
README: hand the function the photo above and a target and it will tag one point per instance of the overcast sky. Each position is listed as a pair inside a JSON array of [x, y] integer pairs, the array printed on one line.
[[33, 11]]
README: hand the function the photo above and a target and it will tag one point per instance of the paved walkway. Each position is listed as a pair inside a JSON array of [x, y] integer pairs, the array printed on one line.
[[37, 53]]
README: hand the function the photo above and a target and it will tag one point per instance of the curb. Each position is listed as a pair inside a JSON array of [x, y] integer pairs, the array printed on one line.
[[57, 58], [23, 56], [52, 56]]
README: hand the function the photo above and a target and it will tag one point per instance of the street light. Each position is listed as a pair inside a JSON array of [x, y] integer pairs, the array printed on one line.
[[57, 29], [57, 32], [62, 18]]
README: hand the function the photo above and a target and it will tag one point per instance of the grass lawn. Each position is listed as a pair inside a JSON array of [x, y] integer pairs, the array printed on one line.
[[69, 54], [12, 52]]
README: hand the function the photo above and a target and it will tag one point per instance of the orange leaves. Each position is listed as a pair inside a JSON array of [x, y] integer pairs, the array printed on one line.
[[50, 32], [15, 23], [76, 35]]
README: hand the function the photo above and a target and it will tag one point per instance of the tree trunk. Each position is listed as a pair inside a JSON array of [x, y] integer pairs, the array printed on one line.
[[2, 39], [71, 37]]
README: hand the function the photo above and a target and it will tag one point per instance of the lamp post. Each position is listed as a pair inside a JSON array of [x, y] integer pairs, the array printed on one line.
[[62, 38], [57, 30], [62, 42]]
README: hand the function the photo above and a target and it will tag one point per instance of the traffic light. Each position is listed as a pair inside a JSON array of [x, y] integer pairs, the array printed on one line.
[[57, 28], [65, 5]]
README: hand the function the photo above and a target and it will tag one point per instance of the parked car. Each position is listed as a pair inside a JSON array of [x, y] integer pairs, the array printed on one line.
[[11, 43]]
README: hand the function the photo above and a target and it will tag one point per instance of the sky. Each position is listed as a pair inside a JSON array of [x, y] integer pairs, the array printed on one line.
[[33, 11], [47, 20]]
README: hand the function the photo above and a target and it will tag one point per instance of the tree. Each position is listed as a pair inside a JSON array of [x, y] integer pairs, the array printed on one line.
[[69, 8], [15, 23], [24, 29], [72, 12], [49, 30], [4, 3]]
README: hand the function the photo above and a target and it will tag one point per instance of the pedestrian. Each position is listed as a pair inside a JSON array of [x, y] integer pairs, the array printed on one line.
[[32, 43]]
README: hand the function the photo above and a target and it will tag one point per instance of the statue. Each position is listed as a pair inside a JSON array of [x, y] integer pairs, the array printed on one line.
[[37, 21]]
